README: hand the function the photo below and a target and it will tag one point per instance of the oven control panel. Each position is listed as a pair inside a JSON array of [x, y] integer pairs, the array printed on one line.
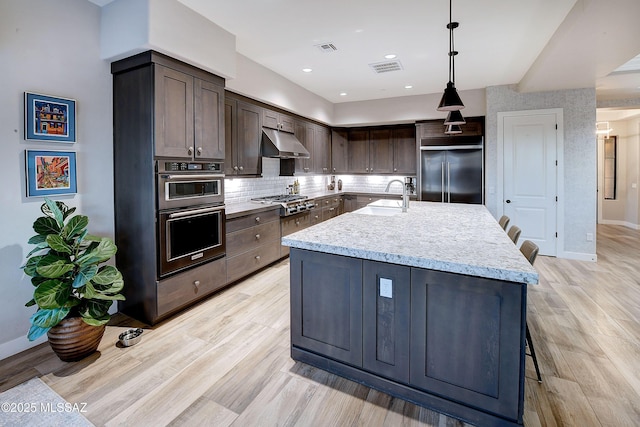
[[191, 167]]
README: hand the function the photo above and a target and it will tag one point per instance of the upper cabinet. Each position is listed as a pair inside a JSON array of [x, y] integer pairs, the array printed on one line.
[[377, 150], [188, 116], [243, 133], [316, 140], [275, 120], [474, 126], [183, 105]]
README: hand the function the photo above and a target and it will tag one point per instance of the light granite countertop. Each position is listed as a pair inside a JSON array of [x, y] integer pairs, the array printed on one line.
[[456, 238]]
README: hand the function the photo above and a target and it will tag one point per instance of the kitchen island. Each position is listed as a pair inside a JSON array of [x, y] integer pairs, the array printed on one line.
[[428, 305]]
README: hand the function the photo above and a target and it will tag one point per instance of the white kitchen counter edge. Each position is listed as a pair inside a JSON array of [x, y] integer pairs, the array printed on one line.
[[476, 246]]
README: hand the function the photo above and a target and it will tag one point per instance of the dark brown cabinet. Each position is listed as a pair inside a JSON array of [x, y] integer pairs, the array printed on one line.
[[316, 140], [243, 133], [162, 109], [451, 342], [275, 120], [326, 307], [253, 242], [386, 313], [339, 153], [187, 116], [404, 150]]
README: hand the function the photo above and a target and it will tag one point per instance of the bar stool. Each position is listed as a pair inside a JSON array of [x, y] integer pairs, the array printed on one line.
[[514, 233], [504, 221], [530, 252]]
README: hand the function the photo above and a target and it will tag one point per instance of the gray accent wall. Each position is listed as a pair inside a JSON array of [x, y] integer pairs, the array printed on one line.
[[580, 162]]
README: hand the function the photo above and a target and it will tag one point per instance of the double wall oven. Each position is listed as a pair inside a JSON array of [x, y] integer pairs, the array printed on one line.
[[190, 214]]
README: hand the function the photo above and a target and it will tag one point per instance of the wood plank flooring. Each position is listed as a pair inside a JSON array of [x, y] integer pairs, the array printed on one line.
[[226, 361]]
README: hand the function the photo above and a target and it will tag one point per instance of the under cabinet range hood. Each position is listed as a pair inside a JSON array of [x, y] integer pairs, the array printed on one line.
[[282, 145]]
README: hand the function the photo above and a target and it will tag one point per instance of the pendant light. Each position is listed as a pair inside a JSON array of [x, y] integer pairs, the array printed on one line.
[[453, 130], [450, 99], [454, 118]]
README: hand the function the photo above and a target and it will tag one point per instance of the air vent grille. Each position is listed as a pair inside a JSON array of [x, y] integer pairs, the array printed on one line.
[[326, 47], [385, 67]]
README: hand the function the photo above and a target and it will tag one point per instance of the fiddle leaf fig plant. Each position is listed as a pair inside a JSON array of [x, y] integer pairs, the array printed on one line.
[[65, 269]]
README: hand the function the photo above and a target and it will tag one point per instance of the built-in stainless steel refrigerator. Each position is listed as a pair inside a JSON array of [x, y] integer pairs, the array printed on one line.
[[452, 170]]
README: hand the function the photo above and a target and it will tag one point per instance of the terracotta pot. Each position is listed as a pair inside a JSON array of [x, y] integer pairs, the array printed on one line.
[[72, 339]]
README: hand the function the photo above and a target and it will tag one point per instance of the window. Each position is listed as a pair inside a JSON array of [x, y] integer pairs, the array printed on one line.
[[610, 160]]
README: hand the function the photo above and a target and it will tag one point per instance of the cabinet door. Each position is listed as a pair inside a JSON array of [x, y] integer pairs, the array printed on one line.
[[208, 110], [326, 308], [249, 137], [467, 338], [321, 150], [286, 123], [380, 151], [358, 151], [339, 157], [404, 150], [173, 121], [269, 119], [230, 136], [386, 301], [301, 133]]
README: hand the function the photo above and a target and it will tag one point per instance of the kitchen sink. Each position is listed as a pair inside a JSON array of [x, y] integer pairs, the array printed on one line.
[[379, 210], [387, 203]]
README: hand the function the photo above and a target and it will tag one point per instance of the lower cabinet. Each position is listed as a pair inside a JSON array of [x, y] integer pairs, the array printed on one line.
[[291, 224], [253, 241], [184, 288], [449, 342], [326, 307]]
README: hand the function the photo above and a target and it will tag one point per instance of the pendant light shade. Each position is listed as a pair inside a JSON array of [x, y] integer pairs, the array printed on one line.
[[453, 130], [454, 118], [450, 99]]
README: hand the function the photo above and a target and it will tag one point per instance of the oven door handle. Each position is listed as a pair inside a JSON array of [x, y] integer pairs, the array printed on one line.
[[195, 212], [193, 176]]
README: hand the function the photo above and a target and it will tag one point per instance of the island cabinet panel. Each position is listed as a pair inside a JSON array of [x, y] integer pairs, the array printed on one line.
[[326, 305], [386, 308], [463, 341]]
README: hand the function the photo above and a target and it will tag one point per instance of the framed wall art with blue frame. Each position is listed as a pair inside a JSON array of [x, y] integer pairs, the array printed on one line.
[[50, 173], [49, 118]]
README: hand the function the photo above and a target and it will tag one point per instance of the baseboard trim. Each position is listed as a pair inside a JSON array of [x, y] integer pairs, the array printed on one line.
[[579, 256], [18, 345], [622, 223]]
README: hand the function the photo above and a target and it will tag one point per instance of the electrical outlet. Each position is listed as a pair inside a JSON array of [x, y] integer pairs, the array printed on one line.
[[589, 237], [386, 288]]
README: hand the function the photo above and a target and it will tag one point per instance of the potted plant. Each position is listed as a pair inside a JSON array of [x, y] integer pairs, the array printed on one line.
[[73, 291]]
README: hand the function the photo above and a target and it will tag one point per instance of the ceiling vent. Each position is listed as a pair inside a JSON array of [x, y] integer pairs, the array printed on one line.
[[326, 47], [385, 67]]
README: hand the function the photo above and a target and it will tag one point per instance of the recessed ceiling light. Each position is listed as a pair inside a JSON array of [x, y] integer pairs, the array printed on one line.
[[408, 87], [390, 56], [307, 70], [343, 93]]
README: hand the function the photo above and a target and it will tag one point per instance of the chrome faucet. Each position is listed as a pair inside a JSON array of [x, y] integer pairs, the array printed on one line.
[[405, 193]]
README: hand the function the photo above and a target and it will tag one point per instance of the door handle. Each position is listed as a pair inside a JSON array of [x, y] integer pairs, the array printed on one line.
[[508, 201], [442, 179], [448, 183]]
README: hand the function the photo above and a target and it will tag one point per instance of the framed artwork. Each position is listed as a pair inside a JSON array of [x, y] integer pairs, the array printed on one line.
[[49, 118], [50, 172]]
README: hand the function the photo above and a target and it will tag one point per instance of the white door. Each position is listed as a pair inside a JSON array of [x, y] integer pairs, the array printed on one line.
[[530, 177]]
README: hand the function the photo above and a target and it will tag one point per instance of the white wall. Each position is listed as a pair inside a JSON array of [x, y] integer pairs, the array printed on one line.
[[580, 178], [49, 47]]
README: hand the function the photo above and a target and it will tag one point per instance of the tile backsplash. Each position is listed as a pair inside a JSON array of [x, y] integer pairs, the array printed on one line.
[[271, 183]]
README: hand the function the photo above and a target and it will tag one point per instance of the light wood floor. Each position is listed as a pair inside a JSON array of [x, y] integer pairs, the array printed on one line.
[[226, 361]]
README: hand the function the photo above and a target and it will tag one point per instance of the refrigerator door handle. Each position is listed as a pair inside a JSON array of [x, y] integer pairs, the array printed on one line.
[[448, 182], [442, 186]]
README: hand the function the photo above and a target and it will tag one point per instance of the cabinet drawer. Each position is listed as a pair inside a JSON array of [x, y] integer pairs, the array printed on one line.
[[248, 262], [244, 240], [295, 223], [251, 220], [188, 286], [329, 212]]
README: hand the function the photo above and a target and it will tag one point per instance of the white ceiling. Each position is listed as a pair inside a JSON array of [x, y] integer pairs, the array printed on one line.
[[537, 44]]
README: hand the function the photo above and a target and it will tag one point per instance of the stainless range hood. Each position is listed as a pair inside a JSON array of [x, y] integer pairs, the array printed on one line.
[[282, 145]]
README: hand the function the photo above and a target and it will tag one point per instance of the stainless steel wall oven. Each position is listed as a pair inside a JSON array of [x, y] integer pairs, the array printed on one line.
[[191, 217]]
